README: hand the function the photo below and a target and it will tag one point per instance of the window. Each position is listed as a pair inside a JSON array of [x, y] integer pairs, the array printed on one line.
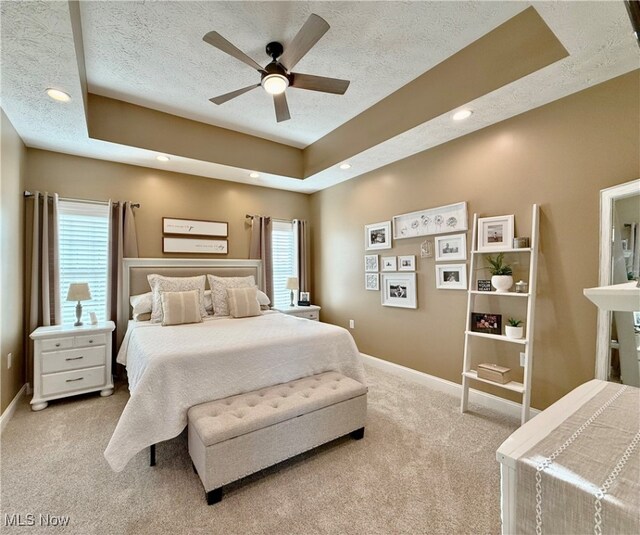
[[84, 255], [284, 261]]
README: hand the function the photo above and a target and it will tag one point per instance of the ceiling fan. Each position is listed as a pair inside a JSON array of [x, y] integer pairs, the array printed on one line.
[[277, 75]]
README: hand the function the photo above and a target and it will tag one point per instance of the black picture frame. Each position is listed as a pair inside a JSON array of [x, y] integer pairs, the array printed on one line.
[[484, 285], [486, 323]]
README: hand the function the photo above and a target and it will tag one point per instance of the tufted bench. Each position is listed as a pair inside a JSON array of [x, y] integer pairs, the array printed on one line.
[[234, 437]]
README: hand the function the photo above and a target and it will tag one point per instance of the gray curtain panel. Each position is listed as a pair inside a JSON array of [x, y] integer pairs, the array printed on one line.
[[260, 249], [301, 233], [44, 277], [123, 243]]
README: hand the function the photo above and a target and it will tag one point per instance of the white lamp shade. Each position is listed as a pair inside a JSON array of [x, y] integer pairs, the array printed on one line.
[[78, 291], [292, 283]]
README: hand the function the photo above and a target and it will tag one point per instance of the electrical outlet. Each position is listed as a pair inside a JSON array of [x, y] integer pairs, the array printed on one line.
[[9, 360], [352, 324], [523, 359]]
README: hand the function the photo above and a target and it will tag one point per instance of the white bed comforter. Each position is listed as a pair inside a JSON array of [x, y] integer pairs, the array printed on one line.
[[171, 369]]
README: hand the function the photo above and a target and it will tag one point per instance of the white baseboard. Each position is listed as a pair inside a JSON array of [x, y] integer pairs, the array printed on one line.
[[483, 399], [8, 412]]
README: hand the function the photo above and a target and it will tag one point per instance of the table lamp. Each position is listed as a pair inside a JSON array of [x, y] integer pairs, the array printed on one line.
[[78, 291], [292, 284]]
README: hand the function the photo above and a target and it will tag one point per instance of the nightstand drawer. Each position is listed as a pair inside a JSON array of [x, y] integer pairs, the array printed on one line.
[[311, 315], [91, 340], [53, 344], [59, 361], [57, 383]]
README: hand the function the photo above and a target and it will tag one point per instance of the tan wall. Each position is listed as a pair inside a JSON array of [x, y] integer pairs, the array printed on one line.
[[558, 156], [162, 194], [12, 166]]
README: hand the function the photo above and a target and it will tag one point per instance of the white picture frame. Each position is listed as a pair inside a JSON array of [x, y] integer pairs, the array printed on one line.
[[399, 290], [371, 264], [194, 245], [407, 263], [377, 236], [451, 276], [194, 227], [440, 220], [372, 281], [451, 247], [495, 233], [389, 263]]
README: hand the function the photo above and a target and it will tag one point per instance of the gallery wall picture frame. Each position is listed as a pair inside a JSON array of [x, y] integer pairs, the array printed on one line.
[[389, 263], [371, 281], [495, 233], [440, 220], [451, 276], [377, 236], [407, 263], [194, 227], [451, 247], [371, 263], [399, 290], [194, 245], [486, 323]]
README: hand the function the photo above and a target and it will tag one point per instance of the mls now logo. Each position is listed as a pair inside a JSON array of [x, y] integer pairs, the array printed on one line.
[[29, 519]]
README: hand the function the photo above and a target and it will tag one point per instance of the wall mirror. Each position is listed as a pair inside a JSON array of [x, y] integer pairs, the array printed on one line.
[[618, 340]]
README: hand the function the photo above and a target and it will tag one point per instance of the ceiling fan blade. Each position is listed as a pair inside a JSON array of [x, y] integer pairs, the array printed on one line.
[[228, 96], [319, 83], [309, 35], [215, 39], [282, 108]]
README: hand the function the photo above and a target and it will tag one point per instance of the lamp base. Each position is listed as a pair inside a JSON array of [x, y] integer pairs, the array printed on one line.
[[292, 303], [78, 323]]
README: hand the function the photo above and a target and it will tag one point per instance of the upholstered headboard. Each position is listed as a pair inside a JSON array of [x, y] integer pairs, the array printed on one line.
[[134, 280]]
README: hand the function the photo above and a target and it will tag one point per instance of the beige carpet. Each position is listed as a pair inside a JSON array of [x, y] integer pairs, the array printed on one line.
[[422, 468]]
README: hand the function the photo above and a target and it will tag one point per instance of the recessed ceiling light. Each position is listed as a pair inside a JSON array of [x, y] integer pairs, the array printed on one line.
[[163, 158], [345, 166], [461, 115], [254, 175], [58, 95]]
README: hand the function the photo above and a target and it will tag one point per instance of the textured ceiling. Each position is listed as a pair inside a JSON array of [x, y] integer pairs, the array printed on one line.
[[151, 53]]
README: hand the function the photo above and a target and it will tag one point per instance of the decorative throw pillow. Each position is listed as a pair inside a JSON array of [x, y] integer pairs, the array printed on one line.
[[180, 307], [243, 302], [219, 286], [160, 284]]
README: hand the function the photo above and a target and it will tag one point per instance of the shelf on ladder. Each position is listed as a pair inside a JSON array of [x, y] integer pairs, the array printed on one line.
[[499, 337], [514, 386], [499, 294]]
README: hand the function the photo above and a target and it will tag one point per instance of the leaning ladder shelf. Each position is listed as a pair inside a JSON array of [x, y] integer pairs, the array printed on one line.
[[469, 374]]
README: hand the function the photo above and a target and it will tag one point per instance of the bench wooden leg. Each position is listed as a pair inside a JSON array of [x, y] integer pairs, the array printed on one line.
[[214, 496], [152, 455], [358, 434]]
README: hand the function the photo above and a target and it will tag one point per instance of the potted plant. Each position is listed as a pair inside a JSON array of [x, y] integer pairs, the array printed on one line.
[[515, 329], [501, 273]]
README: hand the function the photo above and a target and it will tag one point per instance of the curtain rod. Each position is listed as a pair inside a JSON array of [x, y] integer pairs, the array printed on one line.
[[249, 216], [133, 205]]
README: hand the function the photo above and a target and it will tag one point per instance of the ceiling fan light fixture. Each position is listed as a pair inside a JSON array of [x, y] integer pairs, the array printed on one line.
[[274, 84], [461, 115], [57, 94]]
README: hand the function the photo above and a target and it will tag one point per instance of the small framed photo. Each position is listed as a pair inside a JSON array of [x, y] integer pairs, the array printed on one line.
[[484, 285], [377, 235], [305, 297], [451, 276], [452, 247], [495, 233], [371, 263], [399, 290], [407, 263], [486, 323], [389, 263], [371, 281]]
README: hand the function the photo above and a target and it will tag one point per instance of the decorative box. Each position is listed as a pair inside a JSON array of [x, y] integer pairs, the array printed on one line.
[[495, 373]]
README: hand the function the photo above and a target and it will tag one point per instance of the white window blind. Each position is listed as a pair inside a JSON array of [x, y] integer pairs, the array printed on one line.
[[84, 255], [284, 261]]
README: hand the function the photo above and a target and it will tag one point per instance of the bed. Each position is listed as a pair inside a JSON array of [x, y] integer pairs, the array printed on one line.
[[171, 369], [575, 468]]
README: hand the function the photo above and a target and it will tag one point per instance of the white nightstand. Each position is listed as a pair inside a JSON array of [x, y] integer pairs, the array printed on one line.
[[312, 312], [71, 360]]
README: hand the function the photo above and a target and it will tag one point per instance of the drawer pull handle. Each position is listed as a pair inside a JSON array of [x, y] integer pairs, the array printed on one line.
[[91, 341], [72, 380], [74, 358], [58, 345]]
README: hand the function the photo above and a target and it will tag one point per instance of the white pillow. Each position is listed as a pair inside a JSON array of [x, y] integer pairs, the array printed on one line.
[[143, 303], [263, 299], [161, 284], [219, 286]]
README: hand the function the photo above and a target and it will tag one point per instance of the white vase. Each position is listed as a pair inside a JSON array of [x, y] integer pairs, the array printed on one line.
[[515, 333], [502, 283]]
